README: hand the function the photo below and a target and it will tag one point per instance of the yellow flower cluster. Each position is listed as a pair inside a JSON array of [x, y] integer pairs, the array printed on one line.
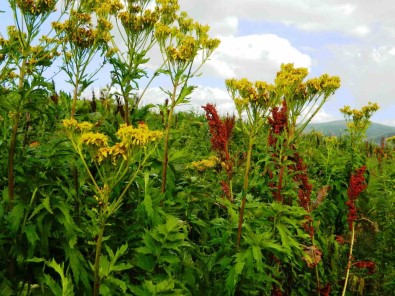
[[365, 112], [79, 31], [183, 41], [324, 84], [185, 23], [94, 139], [36, 7], [289, 76], [244, 92], [74, 125], [140, 136], [138, 23], [162, 31], [186, 51], [204, 164], [168, 10], [114, 152], [359, 120], [108, 7], [211, 44]]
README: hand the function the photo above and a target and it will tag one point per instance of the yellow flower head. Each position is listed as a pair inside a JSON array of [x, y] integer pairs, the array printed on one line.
[[85, 126], [114, 152], [70, 124], [205, 164], [73, 124], [36, 7], [95, 139], [103, 153], [289, 76], [140, 136]]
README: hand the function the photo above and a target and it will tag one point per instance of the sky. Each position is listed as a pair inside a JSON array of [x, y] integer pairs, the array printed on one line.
[[354, 40]]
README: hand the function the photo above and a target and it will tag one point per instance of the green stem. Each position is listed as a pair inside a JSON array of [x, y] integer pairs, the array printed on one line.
[[75, 95], [87, 168], [317, 276], [349, 259], [167, 136], [11, 159], [96, 284], [11, 152], [245, 188]]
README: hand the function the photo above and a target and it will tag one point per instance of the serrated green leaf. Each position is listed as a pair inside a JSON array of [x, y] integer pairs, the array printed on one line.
[[52, 285], [46, 203], [147, 202], [256, 251], [145, 262], [119, 284], [144, 250], [31, 234], [35, 260], [5, 194], [16, 216]]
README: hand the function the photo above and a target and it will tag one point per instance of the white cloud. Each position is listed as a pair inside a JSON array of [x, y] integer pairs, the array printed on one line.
[[256, 57], [323, 116], [201, 96], [360, 31]]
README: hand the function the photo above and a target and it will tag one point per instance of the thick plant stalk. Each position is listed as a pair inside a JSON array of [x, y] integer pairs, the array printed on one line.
[[11, 159], [166, 150], [349, 259], [96, 284], [11, 152], [75, 96], [167, 137], [245, 188], [279, 197], [126, 102]]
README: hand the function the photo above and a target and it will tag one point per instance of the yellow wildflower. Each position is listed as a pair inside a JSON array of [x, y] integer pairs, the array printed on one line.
[[204, 164], [70, 123], [85, 126], [140, 136], [94, 139], [115, 151], [103, 153]]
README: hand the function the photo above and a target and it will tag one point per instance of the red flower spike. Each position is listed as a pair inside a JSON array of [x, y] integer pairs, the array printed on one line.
[[278, 122], [369, 265], [356, 187], [325, 291], [220, 131]]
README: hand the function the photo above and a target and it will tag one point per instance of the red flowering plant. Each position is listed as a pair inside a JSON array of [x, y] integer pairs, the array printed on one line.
[[356, 186], [221, 132]]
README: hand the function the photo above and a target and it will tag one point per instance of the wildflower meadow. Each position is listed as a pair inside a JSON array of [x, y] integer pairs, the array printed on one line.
[[116, 196]]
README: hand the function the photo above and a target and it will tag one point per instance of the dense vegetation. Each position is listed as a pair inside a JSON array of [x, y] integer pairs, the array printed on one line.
[[114, 197]]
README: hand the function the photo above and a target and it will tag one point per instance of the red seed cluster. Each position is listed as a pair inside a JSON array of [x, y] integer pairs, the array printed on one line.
[[226, 189], [355, 188], [220, 131], [278, 122], [369, 265], [305, 188], [325, 291]]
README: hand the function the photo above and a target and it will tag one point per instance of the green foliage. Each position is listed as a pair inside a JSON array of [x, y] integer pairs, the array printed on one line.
[[137, 216]]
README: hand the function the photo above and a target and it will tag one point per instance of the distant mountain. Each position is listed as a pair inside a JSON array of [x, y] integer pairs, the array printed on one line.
[[375, 132]]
